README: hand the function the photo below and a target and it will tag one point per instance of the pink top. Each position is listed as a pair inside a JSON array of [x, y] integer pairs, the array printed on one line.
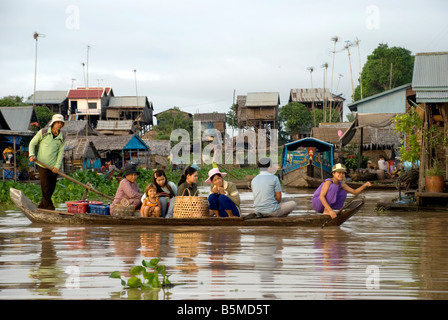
[[127, 190]]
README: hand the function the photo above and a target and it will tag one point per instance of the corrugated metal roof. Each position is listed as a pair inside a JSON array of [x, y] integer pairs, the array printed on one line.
[[430, 71], [262, 99], [18, 118], [209, 116], [114, 125], [50, 97], [128, 101], [432, 96], [310, 95], [90, 93]]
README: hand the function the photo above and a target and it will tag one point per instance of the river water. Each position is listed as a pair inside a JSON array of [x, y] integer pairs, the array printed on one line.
[[374, 255]]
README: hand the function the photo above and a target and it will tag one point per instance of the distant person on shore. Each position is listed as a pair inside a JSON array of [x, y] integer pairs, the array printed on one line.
[[224, 199], [188, 180], [331, 194], [383, 168], [8, 154], [267, 192], [51, 152], [128, 189]]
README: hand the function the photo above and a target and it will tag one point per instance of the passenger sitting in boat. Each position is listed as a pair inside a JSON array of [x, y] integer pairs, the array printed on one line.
[[128, 189], [331, 194], [166, 191], [224, 199], [151, 204], [188, 181], [268, 192]]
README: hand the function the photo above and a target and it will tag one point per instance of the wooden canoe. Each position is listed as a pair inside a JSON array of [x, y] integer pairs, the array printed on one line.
[[37, 215]]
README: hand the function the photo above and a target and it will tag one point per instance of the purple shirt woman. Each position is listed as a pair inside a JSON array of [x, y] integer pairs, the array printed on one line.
[[332, 192]]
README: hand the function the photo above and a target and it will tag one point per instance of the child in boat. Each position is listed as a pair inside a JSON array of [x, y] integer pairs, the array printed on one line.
[[332, 192], [151, 204], [224, 198], [166, 191]]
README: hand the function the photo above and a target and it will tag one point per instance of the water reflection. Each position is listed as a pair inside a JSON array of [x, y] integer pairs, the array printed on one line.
[[409, 251]]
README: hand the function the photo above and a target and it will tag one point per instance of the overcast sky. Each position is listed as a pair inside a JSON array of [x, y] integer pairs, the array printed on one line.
[[194, 54]]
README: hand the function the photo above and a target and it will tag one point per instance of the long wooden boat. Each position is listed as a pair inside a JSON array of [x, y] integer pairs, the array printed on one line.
[[37, 215], [306, 162]]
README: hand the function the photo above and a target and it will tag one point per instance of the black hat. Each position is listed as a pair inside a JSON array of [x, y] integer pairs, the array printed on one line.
[[130, 169]]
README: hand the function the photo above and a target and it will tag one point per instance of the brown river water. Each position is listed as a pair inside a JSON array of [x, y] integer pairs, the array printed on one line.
[[374, 255]]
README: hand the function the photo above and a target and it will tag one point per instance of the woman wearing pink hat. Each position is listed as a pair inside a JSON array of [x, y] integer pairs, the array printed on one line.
[[224, 199]]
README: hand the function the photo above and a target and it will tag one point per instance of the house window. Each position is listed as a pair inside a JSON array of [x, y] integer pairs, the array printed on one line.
[[92, 105]]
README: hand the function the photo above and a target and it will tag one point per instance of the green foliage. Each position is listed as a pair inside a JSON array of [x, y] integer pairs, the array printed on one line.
[[435, 170], [296, 117], [43, 115], [142, 278], [408, 125], [231, 117], [376, 72], [12, 101], [169, 121]]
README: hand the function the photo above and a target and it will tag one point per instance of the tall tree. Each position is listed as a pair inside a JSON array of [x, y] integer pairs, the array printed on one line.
[[169, 121], [295, 117], [231, 117], [386, 68]]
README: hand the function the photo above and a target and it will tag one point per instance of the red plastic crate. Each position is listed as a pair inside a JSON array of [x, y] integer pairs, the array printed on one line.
[[80, 206]]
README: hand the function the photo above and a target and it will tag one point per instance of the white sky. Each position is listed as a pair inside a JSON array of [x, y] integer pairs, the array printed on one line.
[[194, 54]]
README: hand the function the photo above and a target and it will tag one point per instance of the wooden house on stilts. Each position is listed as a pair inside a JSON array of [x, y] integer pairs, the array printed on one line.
[[431, 86]]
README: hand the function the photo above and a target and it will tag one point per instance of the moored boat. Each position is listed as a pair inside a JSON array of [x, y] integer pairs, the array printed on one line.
[[37, 215], [306, 162]]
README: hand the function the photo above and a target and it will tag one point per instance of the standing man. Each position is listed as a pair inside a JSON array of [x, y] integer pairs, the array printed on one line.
[[51, 151], [268, 192]]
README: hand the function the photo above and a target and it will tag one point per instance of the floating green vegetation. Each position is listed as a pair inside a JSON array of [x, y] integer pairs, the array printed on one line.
[[142, 278]]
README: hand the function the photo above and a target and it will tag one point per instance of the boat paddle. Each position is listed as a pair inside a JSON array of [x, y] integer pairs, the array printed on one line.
[[87, 186]]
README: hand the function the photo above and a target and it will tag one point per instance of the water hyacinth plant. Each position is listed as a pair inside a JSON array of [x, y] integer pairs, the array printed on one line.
[[144, 279]]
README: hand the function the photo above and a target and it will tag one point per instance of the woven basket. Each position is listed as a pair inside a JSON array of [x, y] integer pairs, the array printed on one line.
[[190, 206], [123, 209]]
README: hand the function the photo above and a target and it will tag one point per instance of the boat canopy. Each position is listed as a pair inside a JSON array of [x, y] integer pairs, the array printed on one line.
[[307, 151]]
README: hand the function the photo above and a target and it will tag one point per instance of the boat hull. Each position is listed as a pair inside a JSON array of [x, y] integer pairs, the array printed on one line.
[[36, 215]]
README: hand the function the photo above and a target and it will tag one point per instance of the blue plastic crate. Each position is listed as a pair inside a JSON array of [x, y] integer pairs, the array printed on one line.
[[99, 209], [8, 174]]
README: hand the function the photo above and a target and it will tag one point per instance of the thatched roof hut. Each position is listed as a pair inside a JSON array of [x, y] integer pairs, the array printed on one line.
[[125, 147], [80, 153]]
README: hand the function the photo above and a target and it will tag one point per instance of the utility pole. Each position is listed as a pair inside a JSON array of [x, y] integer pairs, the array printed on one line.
[[334, 39], [87, 66], [324, 100], [347, 47], [36, 36], [357, 41], [311, 69]]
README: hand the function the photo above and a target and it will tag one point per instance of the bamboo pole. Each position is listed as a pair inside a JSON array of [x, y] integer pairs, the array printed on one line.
[[87, 186]]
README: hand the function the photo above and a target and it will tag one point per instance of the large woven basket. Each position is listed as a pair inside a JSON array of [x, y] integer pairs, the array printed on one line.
[[123, 209], [190, 206]]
